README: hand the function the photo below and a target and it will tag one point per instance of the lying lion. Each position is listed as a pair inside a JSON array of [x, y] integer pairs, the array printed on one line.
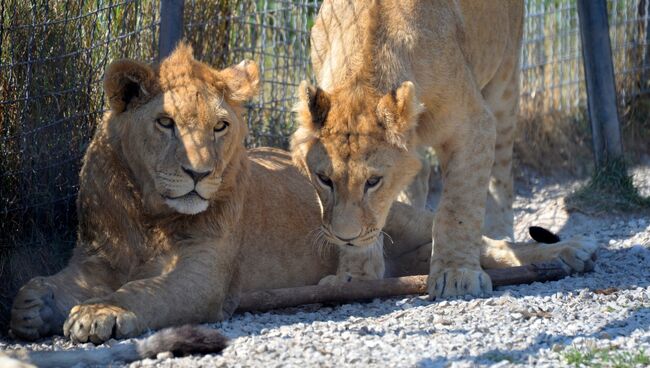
[[176, 217]]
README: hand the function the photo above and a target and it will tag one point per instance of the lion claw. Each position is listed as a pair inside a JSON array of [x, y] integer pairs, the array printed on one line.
[[99, 322], [450, 282]]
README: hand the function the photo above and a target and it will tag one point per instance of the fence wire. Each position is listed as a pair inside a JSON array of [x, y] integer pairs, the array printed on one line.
[[552, 78], [53, 53]]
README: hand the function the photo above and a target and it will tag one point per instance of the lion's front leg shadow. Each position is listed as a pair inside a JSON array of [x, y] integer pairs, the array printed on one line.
[[43, 303], [193, 291]]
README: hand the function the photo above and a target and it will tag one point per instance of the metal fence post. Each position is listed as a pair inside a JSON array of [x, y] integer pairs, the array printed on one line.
[[644, 9], [599, 77], [171, 26]]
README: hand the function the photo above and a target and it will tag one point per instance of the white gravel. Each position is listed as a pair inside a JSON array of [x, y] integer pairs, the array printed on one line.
[[534, 324]]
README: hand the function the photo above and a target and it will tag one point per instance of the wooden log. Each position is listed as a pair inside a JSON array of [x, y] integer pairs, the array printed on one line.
[[364, 290]]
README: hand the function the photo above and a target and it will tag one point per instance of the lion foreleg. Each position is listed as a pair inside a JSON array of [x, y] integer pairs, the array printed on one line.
[[358, 264], [193, 291], [466, 154]]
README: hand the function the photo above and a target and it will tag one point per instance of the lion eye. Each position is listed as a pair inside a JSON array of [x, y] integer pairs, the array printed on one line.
[[373, 182], [221, 126], [167, 123], [324, 180]]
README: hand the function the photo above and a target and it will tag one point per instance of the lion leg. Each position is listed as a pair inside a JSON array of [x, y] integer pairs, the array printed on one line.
[[43, 303], [193, 291], [576, 253], [465, 148], [502, 95], [358, 264]]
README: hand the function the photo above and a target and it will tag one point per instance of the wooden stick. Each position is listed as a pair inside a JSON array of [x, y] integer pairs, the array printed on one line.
[[365, 290]]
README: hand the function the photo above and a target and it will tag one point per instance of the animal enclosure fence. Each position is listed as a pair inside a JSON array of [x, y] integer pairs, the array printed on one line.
[[53, 53]]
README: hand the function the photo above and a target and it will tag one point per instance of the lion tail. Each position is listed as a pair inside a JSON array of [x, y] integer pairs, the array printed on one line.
[[180, 341]]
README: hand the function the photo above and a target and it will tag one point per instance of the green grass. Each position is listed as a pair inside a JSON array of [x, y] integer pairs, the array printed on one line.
[[610, 188], [606, 357]]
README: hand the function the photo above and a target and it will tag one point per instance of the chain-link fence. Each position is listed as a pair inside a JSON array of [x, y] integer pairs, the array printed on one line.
[[53, 53], [52, 57], [551, 69], [553, 126]]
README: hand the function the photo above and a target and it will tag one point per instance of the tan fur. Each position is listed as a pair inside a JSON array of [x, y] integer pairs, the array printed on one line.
[[145, 261], [395, 74], [151, 255]]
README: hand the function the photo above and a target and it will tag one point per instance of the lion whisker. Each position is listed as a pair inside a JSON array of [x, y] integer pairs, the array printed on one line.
[[388, 236]]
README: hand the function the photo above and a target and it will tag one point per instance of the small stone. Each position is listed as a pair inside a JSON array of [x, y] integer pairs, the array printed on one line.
[[164, 355]]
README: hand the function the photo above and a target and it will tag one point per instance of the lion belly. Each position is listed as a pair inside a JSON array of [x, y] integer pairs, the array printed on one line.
[[279, 218]]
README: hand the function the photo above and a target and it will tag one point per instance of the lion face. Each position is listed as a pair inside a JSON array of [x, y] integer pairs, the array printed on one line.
[[358, 151], [179, 125]]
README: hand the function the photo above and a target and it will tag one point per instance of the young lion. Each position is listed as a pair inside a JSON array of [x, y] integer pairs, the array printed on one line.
[[176, 217], [360, 130]]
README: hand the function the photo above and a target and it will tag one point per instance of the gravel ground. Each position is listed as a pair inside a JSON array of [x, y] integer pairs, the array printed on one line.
[[601, 317]]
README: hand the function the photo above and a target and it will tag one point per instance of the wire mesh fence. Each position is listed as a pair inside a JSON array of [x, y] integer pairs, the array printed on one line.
[[552, 77], [273, 33], [553, 127], [53, 53], [53, 56]]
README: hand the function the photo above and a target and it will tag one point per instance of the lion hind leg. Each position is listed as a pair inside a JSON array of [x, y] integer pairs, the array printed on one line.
[[502, 96], [42, 304]]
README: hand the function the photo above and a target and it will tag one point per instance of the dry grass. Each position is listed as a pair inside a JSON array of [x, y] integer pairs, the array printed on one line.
[[553, 143], [610, 188]]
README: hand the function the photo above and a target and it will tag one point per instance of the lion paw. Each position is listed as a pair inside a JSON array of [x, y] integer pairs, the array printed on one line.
[[345, 277], [99, 322], [578, 254], [34, 313], [337, 279], [448, 282]]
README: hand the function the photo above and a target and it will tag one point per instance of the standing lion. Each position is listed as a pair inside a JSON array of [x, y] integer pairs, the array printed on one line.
[[397, 74]]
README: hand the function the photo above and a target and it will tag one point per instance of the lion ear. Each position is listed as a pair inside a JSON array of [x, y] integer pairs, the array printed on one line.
[[313, 106], [128, 83], [398, 112], [242, 80]]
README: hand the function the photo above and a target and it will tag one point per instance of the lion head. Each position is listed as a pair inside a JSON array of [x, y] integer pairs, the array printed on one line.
[[178, 125], [358, 149]]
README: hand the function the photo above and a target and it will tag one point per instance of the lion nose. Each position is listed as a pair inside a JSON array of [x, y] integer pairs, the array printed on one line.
[[195, 175]]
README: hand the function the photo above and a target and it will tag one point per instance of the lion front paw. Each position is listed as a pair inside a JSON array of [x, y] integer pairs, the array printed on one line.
[[34, 313], [578, 254], [337, 279], [345, 277], [99, 322], [446, 282]]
